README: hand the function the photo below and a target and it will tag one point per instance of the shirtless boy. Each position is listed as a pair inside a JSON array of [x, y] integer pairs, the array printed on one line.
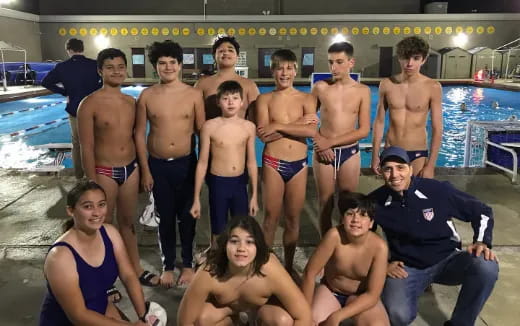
[[228, 138], [225, 52], [175, 112], [409, 97], [355, 261], [285, 118], [106, 120], [345, 119]]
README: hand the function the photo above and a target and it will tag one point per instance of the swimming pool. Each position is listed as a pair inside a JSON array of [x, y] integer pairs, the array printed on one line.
[[47, 117]]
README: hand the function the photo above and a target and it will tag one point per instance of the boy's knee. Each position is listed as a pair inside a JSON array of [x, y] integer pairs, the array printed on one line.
[[486, 269], [399, 314]]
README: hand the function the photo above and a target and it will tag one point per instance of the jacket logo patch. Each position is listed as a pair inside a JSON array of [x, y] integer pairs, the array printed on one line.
[[428, 214]]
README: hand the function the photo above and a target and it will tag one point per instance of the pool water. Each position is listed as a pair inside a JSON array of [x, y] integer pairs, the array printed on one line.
[[53, 126]]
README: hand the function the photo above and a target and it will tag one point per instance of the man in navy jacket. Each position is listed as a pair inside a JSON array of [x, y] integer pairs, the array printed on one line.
[[415, 215], [75, 78]]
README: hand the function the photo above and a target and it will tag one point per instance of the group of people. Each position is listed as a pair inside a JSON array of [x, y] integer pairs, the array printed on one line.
[[363, 277]]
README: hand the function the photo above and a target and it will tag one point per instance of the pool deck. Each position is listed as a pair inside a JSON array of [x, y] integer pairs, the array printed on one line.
[[32, 209]]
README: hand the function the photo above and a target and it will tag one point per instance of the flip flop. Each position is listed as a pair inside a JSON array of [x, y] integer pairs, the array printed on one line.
[[113, 291], [146, 279]]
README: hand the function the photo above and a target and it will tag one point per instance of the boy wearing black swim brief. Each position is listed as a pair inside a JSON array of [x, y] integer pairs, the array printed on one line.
[[354, 260], [230, 141]]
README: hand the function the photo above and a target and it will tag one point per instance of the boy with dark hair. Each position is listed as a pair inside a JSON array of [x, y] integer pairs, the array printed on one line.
[[106, 121], [167, 159], [225, 52], [285, 118], [74, 78], [345, 119], [354, 260], [230, 140], [408, 97]]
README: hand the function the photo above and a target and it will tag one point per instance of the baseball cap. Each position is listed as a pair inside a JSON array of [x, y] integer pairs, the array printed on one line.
[[395, 152]]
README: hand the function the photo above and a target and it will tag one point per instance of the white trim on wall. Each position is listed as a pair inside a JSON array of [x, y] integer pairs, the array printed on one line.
[[18, 15]]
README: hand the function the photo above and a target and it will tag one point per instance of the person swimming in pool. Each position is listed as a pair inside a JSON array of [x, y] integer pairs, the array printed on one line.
[[345, 119], [230, 140], [106, 120], [408, 97], [242, 276], [285, 118], [175, 112], [225, 51], [355, 262]]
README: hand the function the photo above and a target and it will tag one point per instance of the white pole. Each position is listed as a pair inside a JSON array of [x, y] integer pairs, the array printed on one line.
[[205, 4], [4, 79], [507, 65], [25, 66]]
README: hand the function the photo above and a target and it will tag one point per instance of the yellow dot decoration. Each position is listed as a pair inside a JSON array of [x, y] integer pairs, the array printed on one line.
[[176, 31], [241, 31], [93, 31], [185, 31], [459, 29], [303, 31], [334, 30], [344, 30], [251, 31], [114, 31], [490, 29], [124, 31], [314, 31], [293, 31], [155, 31], [144, 31], [406, 30], [375, 30], [83, 31], [272, 31], [355, 30], [438, 30], [200, 31], [480, 29], [262, 31], [417, 30], [103, 31], [396, 30], [73, 31], [134, 31], [324, 31], [386, 30], [62, 31], [231, 31], [365, 30], [469, 30], [448, 30], [427, 30], [221, 30], [165, 31], [211, 31]]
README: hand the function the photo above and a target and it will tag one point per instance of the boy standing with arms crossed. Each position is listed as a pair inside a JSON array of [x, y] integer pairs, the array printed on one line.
[[229, 139], [285, 118], [175, 111], [409, 97], [345, 119]]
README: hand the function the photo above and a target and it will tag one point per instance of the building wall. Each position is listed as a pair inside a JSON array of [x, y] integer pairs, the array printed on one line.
[[23, 33], [366, 36]]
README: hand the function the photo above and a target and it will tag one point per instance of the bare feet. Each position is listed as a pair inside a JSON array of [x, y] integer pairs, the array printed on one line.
[[167, 279], [185, 278]]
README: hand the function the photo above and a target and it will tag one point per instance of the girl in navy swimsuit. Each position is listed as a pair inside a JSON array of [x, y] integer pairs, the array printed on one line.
[[84, 263]]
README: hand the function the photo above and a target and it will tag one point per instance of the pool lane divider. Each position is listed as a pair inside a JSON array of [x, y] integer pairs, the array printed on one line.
[[31, 109], [24, 131]]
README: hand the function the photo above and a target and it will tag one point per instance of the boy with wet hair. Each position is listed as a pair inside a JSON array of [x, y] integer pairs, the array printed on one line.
[[167, 158], [408, 97], [230, 140], [106, 121], [345, 119], [355, 262], [285, 118], [225, 51]]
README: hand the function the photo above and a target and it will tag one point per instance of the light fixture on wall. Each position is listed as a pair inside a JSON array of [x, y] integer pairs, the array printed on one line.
[[338, 38], [460, 40], [102, 41], [266, 12]]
